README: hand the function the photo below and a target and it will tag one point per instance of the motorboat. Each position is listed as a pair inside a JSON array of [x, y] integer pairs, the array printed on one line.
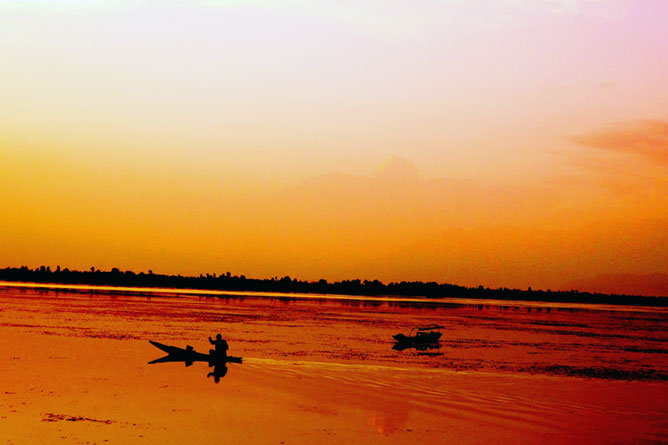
[[420, 335]]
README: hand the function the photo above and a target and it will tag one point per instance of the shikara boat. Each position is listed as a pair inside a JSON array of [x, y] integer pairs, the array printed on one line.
[[420, 335], [188, 355]]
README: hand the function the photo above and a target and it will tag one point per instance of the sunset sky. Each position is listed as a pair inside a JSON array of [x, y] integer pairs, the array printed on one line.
[[487, 142]]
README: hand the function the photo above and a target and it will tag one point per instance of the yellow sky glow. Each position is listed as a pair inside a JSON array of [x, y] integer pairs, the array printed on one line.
[[493, 143]]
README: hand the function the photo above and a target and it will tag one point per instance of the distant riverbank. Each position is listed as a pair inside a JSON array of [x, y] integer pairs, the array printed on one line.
[[287, 285], [364, 300]]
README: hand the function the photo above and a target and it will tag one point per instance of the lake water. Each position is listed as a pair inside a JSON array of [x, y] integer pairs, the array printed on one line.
[[319, 369]]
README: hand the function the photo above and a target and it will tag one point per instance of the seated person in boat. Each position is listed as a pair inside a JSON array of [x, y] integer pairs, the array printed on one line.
[[221, 345]]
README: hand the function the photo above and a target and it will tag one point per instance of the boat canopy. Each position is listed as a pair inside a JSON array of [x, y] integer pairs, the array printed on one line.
[[431, 327], [425, 330]]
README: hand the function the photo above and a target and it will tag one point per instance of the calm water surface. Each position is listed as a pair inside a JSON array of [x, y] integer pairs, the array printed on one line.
[[322, 370]]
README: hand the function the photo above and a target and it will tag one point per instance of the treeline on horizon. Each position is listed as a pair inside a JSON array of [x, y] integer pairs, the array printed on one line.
[[229, 282]]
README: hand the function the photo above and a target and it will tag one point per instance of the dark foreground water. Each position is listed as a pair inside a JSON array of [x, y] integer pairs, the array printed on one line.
[[73, 369]]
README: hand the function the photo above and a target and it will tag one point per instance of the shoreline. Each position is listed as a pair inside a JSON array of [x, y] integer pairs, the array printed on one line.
[[459, 301], [286, 285]]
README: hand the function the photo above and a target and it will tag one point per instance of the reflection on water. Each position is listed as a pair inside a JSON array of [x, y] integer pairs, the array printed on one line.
[[216, 359], [219, 371], [322, 370], [428, 349], [627, 343]]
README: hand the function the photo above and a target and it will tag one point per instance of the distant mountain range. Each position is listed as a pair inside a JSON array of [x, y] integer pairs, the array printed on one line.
[[655, 284]]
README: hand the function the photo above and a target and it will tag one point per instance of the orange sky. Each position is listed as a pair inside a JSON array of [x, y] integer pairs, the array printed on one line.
[[500, 143]]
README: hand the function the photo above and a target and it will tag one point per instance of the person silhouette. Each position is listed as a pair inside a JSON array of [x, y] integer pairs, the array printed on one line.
[[221, 345]]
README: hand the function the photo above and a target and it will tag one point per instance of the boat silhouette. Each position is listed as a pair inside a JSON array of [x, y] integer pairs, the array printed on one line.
[[188, 355], [420, 335]]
